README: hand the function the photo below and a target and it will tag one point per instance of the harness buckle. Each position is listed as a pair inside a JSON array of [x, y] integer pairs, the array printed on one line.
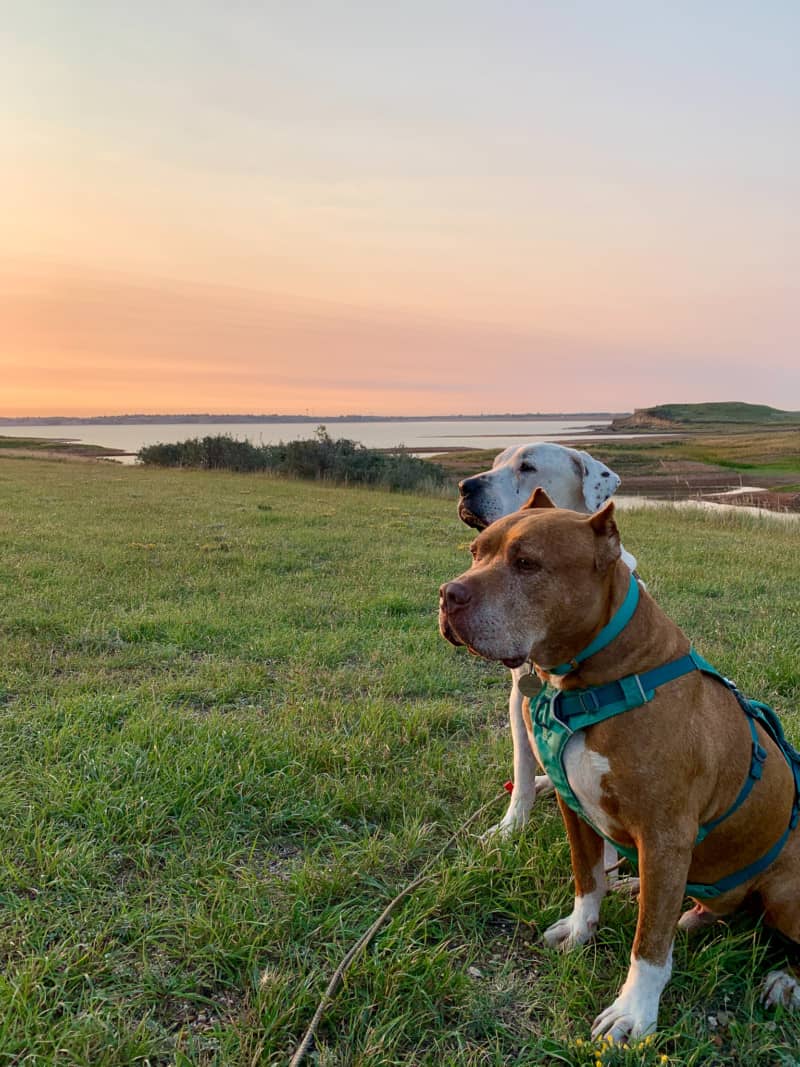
[[560, 719], [589, 701], [633, 691]]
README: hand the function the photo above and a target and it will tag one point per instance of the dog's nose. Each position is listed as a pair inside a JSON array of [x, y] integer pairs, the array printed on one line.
[[454, 594], [467, 485]]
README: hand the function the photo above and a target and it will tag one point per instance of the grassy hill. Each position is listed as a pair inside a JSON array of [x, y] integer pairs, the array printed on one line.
[[231, 733], [695, 416]]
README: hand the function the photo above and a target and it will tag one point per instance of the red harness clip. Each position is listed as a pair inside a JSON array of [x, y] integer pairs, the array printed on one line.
[[509, 787]]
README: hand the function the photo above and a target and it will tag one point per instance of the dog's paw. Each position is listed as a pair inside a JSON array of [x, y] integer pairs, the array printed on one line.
[[625, 1018], [501, 831], [518, 813], [571, 931], [519, 810], [542, 785], [635, 1011], [781, 988]]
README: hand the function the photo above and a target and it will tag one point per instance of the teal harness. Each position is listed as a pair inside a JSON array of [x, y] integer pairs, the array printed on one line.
[[556, 715]]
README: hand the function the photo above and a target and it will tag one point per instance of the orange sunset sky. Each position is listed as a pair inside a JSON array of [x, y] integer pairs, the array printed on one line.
[[411, 208]]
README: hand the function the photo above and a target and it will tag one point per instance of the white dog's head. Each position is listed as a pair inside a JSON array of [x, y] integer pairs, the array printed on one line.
[[572, 479]]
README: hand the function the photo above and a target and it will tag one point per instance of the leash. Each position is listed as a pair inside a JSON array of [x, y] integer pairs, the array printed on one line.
[[338, 975]]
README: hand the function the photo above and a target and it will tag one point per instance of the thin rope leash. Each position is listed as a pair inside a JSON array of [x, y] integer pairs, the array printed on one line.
[[338, 975]]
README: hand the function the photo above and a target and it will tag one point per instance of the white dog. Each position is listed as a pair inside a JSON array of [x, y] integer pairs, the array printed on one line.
[[574, 480]]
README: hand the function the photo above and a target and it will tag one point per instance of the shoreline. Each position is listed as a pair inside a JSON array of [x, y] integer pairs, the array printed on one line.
[[649, 478], [630, 503]]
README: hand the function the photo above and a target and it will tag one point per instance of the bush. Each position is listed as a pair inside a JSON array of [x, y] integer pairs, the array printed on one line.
[[320, 457]]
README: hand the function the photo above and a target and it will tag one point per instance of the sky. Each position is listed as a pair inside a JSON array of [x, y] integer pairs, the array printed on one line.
[[426, 207]]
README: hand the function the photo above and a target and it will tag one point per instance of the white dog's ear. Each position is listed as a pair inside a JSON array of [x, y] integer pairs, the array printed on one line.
[[538, 499], [599, 481], [504, 456]]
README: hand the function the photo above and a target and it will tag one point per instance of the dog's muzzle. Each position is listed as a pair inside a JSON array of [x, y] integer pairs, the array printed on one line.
[[452, 597], [469, 504], [468, 516]]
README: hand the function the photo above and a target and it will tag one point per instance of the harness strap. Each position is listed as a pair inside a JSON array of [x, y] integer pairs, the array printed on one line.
[[557, 715], [731, 881], [612, 629], [757, 757], [579, 708], [770, 722]]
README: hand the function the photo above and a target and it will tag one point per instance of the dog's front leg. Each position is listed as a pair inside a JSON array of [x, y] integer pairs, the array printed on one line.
[[586, 850], [527, 784], [663, 874]]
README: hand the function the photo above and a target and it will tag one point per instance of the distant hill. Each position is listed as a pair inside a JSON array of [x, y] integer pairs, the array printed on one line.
[[696, 416]]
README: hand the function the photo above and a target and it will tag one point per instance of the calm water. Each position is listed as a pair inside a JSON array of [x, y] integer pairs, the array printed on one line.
[[473, 433]]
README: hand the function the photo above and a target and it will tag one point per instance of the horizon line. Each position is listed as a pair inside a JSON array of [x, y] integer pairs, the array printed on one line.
[[297, 417]]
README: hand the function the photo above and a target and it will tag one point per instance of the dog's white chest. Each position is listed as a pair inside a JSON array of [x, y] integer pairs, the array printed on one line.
[[585, 770]]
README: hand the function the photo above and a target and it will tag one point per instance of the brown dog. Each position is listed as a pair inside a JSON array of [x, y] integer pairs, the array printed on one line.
[[544, 583]]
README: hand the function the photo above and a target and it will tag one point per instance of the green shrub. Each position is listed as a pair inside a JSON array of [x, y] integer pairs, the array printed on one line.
[[321, 457]]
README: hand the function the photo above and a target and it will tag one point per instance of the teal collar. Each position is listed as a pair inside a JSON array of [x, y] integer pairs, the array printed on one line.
[[613, 628]]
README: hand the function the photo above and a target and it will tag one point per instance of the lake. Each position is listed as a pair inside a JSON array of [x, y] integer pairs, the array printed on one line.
[[422, 434]]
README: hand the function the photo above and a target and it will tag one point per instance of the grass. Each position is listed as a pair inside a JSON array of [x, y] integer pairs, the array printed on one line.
[[772, 452], [231, 733], [60, 446]]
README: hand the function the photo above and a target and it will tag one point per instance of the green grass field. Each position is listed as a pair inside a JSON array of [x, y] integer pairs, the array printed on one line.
[[231, 733]]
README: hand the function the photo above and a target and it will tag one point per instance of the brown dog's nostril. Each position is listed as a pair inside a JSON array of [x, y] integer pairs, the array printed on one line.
[[455, 594]]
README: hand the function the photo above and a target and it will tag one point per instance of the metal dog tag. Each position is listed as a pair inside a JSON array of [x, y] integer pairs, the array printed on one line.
[[530, 685]]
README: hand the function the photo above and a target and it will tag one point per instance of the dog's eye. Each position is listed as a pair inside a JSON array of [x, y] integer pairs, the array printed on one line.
[[525, 563], [526, 468]]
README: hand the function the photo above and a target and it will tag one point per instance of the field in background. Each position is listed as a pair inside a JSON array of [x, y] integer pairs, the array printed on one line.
[[231, 733], [684, 465], [747, 453]]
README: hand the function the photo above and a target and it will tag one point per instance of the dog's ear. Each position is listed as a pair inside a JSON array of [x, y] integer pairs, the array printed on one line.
[[607, 546], [503, 456], [599, 481], [538, 499]]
